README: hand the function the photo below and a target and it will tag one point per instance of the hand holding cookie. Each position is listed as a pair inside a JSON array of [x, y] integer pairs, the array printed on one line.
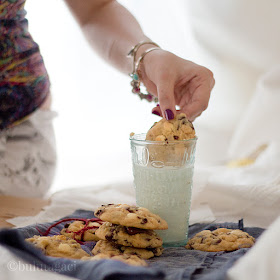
[[176, 81]]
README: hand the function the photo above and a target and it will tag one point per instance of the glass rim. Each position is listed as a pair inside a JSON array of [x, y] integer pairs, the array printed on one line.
[[132, 139]]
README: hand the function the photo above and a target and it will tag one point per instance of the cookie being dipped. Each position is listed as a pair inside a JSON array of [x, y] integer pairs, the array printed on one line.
[[171, 140], [180, 128]]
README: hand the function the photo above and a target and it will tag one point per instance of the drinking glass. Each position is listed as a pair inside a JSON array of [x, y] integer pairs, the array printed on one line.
[[163, 179]]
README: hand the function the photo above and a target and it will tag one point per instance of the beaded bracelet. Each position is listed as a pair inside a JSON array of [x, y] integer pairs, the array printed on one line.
[[135, 83]]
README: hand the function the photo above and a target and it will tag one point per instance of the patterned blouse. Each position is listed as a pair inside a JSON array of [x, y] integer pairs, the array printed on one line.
[[24, 82]]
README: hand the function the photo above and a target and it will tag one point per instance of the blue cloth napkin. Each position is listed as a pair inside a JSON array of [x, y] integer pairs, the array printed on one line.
[[176, 263]]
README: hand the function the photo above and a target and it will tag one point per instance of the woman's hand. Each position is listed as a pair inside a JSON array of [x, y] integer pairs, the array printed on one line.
[[176, 81]]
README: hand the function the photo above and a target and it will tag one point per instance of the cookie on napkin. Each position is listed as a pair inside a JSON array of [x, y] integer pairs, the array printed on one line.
[[221, 239]]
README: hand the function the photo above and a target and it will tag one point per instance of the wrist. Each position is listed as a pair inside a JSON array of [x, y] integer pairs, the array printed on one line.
[[149, 61], [138, 52], [142, 49]]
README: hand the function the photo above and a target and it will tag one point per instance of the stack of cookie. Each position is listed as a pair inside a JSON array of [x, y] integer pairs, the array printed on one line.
[[128, 230]]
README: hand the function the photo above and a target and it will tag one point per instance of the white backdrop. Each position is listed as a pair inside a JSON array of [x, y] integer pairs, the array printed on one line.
[[96, 110]]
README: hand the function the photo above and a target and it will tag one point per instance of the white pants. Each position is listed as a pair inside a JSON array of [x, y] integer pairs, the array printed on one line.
[[28, 156]]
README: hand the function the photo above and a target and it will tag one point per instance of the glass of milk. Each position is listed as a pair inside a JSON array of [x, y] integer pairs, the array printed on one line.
[[163, 177]]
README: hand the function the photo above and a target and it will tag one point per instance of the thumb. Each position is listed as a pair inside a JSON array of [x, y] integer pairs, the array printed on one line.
[[166, 99]]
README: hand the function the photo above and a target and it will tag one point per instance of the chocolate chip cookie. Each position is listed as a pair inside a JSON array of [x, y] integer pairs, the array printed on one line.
[[130, 216], [221, 239], [78, 230], [173, 145], [129, 236], [58, 246], [107, 247], [180, 128]]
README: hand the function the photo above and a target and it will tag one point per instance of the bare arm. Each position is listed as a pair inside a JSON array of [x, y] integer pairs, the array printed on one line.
[[112, 31]]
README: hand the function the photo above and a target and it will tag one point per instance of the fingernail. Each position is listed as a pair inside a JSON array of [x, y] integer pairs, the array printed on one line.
[[155, 112], [169, 114], [157, 105]]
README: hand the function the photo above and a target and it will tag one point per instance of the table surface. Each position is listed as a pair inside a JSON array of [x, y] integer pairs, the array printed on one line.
[[11, 207]]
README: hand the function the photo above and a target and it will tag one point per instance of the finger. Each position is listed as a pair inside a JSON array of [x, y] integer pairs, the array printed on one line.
[[166, 99], [157, 111], [199, 102]]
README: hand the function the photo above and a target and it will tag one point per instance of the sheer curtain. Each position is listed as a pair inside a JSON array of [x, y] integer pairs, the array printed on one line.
[[95, 106]]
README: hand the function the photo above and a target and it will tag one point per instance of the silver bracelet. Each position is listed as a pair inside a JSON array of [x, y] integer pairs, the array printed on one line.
[[135, 83], [143, 55]]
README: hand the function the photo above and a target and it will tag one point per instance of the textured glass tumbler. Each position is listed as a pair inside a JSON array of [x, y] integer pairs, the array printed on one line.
[[163, 177]]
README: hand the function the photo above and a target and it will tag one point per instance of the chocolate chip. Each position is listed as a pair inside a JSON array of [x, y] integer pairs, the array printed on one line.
[[133, 230], [109, 237], [129, 210], [215, 242], [115, 245], [99, 212]]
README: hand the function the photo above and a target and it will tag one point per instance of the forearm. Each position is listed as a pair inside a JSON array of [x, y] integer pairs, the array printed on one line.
[[110, 29]]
